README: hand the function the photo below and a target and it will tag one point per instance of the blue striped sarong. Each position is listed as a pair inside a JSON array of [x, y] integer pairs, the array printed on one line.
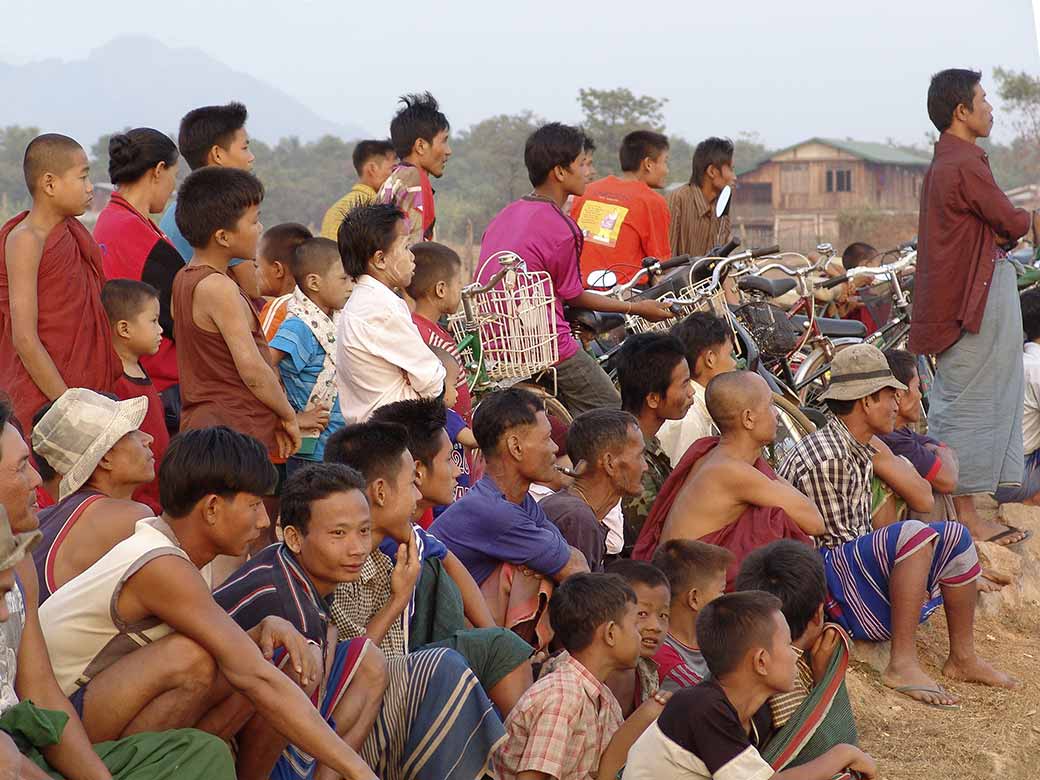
[[858, 573]]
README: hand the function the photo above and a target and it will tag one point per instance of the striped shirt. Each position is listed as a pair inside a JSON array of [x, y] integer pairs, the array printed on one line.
[[273, 315], [694, 228], [436, 337]]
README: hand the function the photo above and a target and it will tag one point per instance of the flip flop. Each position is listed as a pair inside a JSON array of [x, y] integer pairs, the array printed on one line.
[[906, 690], [1011, 531]]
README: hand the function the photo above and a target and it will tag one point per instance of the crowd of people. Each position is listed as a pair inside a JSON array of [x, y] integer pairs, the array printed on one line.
[[253, 524]]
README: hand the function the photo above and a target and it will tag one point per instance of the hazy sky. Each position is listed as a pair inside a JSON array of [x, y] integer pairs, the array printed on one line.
[[786, 69]]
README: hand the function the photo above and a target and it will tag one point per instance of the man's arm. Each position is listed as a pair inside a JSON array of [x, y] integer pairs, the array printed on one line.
[[751, 486], [990, 204], [24, 252], [474, 605], [655, 311], [902, 477], [945, 480], [576, 564], [407, 568], [397, 340], [615, 756]]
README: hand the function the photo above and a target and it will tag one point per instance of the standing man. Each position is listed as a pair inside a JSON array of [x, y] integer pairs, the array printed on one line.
[[373, 161], [694, 227], [966, 310]]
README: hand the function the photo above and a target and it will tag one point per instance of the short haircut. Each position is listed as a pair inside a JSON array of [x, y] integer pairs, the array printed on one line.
[[551, 145], [368, 150], [645, 363], [212, 460], [313, 483], [209, 126], [213, 199], [949, 89], [594, 433], [690, 564], [424, 420], [584, 602], [47, 153], [728, 395], [433, 263], [710, 151], [699, 332], [1031, 314], [588, 145], [638, 573], [282, 239], [902, 364], [365, 231], [45, 469], [124, 299], [638, 145], [793, 572], [734, 624], [501, 411], [373, 448], [313, 256], [133, 153], [420, 117], [856, 254]]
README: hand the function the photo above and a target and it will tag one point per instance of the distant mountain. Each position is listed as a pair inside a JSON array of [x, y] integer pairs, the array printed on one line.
[[137, 81]]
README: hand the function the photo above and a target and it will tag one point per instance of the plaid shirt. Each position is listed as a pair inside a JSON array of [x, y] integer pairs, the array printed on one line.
[[560, 726], [834, 470], [636, 510], [354, 604]]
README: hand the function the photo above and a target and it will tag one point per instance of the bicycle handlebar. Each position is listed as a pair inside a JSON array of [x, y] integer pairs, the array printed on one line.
[[675, 262], [769, 250], [883, 270]]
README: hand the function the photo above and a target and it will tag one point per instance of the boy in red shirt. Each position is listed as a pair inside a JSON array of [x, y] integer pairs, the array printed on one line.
[[622, 219]]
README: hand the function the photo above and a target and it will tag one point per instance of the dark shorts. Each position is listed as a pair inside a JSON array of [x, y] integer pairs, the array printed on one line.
[[76, 699], [583, 385]]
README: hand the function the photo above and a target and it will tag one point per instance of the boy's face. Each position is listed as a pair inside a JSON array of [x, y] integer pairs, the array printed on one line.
[[679, 396], [573, 177], [588, 170], [712, 589], [451, 379], [721, 177], [628, 643], [338, 539], [243, 240], [438, 480], [718, 360], [237, 153], [781, 669], [399, 262], [72, 191], [142, 332], [651, 616], [657, 172], [335, 286], [379, 168], [271, 273], [394, 518], [452, 293]]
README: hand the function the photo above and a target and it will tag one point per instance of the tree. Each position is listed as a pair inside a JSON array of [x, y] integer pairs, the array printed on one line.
[[608, 115], [14, 196]]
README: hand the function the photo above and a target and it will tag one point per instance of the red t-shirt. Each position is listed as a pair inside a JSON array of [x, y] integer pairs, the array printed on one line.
[[435, 336], [154, 425], [623, 221]]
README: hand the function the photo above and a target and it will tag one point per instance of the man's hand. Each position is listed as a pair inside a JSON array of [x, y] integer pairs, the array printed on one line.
[[278, 632], [863, 765], [314, 420], [289, 438], [406, 572], [822, 652], [654, 311]]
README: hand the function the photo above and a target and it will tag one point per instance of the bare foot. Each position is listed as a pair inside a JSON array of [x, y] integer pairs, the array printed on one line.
[[986, 585], [918, 686], [978, 671]]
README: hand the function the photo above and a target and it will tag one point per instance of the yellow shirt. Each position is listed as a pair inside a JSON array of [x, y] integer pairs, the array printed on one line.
[[360, 195]]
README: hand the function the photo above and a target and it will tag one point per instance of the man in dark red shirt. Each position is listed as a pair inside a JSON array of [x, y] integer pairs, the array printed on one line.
[[966, 309]]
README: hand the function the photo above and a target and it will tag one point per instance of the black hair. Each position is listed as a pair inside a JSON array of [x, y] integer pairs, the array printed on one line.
[[856, 254], [688, 564], [501, 411], [209, 126], [217, 460], [596, 432], [47, 153], [588, 145], [638, 145], [551, 145], [313, 483], [700, 332], [423, 418], [843, 408], [365, 231], [213, 199], [732, 625], [645, 363], [373, 448], [433, 263], [584, 602], [638, 573], [282, 239], [791, 571], [46, 470], [133, 153], [949, 89], [313, 256], [367, 150], [902, 364], [710, 151], [420, 117], [124, 299], [1031, 314]]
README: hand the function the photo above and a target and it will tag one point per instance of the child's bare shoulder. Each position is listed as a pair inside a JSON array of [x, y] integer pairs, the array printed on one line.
[[25, 243]]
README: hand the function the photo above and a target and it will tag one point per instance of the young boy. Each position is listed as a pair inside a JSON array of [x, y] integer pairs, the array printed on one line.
[[708, 341], [463, 442], [304, 348], [273, 258], [419, 133], [696, 574], [436, 290], [133, 312], [632, 687], [715, 730], [54, 333], [373, 162], [222, 358], [380, 355]]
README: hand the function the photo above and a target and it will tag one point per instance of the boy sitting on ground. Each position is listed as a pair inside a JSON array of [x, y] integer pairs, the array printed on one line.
[[273, 257]]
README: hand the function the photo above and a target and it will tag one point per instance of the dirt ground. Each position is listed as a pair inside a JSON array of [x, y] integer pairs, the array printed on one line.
[[995, 733]]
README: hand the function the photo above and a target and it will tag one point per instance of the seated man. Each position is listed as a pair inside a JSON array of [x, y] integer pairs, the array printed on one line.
[[386, 602], [27, 679], [139, 644], [610, 444], [328, 537], [97, 445], [723, 492], [878, 579], [497, 529]]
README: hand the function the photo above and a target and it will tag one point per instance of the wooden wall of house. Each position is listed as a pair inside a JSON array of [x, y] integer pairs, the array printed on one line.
[[802, 186]]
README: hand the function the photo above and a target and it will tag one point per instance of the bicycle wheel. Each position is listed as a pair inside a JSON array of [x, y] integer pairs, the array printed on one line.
[[554, 407], [791, 427]]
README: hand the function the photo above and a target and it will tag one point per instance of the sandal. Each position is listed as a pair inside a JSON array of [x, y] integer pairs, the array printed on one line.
[[906, 690], [1011, 531]]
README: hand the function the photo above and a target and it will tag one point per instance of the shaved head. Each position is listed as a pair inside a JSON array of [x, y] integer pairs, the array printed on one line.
[[49, 153], [729, 395]]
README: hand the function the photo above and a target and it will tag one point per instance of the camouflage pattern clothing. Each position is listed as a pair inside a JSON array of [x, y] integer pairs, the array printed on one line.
[[637, 509]]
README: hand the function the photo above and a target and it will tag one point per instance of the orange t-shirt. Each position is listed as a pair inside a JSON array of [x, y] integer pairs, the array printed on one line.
[[623, 221]]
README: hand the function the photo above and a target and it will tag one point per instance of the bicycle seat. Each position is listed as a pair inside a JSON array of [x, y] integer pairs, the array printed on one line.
[[772, 288], [833, 328], [597, 321]]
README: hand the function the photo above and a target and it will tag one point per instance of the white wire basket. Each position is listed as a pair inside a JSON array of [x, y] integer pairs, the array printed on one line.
[[706, 300]]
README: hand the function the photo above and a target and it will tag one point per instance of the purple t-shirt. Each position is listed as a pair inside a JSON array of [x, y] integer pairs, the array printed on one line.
[[547, 240], [485, 529], [911, 445]]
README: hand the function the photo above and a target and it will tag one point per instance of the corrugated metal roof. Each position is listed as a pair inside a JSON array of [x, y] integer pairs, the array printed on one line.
[[867, 150]]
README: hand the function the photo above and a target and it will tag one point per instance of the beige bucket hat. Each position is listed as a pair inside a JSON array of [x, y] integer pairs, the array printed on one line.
[[859, 371], [13, 547], [76, 432]]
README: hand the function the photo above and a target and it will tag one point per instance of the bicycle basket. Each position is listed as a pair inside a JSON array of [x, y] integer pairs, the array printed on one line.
[[773, 332], [708, 301]]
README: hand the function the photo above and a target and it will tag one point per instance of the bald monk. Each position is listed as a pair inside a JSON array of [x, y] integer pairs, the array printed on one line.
[[53, 329], [723, 492]]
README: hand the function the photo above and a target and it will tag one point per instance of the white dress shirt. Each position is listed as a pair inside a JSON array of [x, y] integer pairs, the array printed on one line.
[[1031, 409], [380, 355], [676, 436]]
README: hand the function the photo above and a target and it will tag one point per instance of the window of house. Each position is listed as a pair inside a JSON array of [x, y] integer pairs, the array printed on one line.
[[839, 181]]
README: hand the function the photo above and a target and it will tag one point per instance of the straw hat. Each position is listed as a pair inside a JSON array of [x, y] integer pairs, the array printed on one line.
[[79, 429], [13, 547], [859, 371]]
